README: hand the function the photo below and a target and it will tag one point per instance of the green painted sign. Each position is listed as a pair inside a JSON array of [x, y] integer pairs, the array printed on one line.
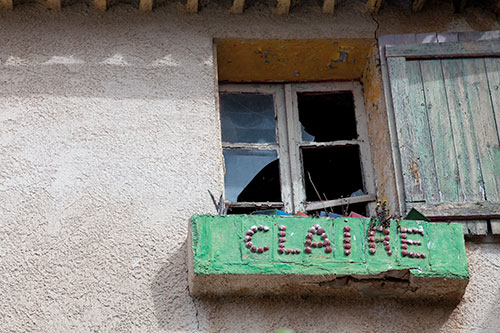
[[246, 244]]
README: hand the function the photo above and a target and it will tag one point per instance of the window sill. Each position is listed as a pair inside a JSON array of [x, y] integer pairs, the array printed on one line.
[[221, 263]]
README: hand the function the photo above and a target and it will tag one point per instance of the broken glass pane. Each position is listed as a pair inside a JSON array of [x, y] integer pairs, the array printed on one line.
[[327, 117], [335, 172], [252, 175], [247, 118]]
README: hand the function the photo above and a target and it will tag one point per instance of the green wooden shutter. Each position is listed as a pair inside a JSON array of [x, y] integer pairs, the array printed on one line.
[[446, 114]]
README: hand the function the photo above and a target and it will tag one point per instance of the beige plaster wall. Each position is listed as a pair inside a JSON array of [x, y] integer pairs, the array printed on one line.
[[109, 141]]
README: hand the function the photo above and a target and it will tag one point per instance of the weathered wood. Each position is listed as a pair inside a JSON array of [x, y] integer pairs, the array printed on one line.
[[410, 166], [447, 37], [477, 227], [459, 211], [473, 36], [328, 6], [192, 6], [250, 146], [373, 6], [337, 143], [445, 50], [495, 226], [53, 4], [101, 4], [389, 40], [254, 204], [293, 125], [339, 202], [7, 4], [385, 40], [283, 7], [483, 120], [440, 130], [462, 108], [418, 166], [238, 7], [364, 148], [464, 226], [474, 227], [426, 38], [417, 5], [493, 74], [464, 139], [422, 153], [145, 5], [284, 152]]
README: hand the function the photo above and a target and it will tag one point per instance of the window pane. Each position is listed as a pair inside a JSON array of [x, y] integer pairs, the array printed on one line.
[[335, 171], [252, 175], [247, 118], [327, 116]]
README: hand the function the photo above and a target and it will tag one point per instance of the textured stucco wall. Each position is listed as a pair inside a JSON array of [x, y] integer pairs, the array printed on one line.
[[109, 140]]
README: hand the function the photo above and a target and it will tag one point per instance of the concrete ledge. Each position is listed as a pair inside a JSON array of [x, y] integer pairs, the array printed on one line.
[[221, 264], [432, 289]]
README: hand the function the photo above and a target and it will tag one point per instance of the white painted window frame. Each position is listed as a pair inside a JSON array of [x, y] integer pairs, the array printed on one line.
[[289, 143]]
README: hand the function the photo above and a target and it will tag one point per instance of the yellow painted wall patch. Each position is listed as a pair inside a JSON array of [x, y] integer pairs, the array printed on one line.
[[291, 60]]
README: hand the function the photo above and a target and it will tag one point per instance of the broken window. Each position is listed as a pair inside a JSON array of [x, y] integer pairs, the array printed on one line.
[[321, 113], [296, 147]]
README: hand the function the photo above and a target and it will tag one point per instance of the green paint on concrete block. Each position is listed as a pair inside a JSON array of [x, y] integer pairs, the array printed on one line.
[[218, 247]]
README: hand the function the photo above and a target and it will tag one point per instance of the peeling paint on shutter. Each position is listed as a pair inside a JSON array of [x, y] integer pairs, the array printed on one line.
[[445, 112]]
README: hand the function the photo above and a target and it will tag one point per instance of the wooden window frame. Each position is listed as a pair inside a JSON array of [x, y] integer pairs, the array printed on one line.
[[288, 134]]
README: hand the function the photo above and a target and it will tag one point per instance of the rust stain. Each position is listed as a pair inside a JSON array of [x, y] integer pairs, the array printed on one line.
[[415, 171]]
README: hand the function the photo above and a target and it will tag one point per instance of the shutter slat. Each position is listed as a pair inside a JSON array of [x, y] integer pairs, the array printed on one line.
[[474, 36], [440, 130], [495, 226], [471, 180], [484, 124], [410, 166], [477, 227], [493, 73], [447, 37], [412, 126], [422, 154], [445, 50]]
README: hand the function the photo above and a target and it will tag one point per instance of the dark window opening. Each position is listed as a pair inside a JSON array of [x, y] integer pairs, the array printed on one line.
[[335, 172], [327, 116], [264, 187]]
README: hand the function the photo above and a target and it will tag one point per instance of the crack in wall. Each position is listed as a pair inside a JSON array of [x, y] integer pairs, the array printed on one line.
[[375, 33]]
